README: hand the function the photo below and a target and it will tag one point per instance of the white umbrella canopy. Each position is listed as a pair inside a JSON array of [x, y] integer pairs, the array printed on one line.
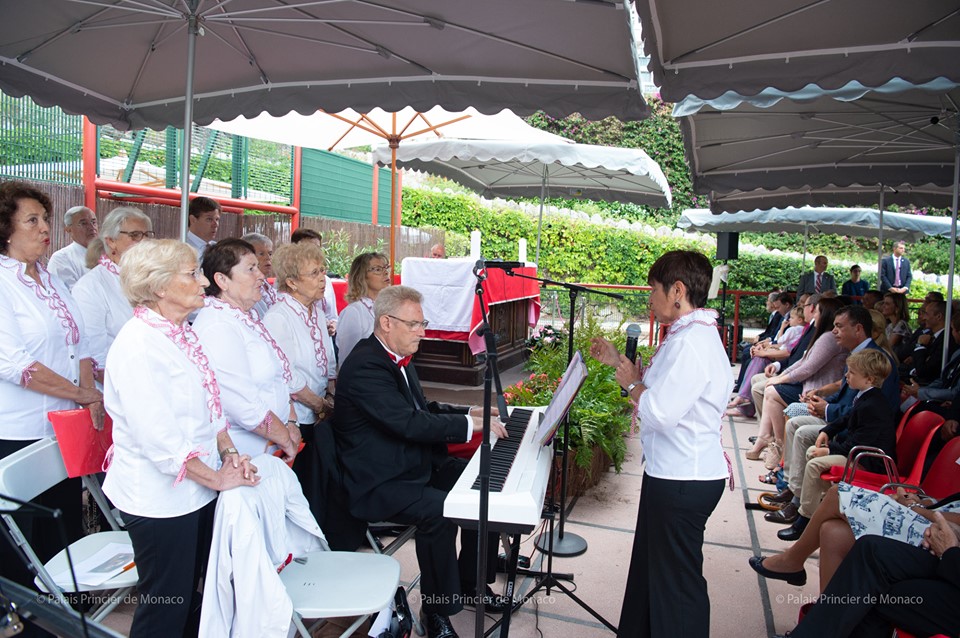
[[531, 168], [708, 48]]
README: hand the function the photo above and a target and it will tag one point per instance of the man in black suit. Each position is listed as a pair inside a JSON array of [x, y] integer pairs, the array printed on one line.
[[927, 359], [818, 280], [895, 274], [780, 304], [391, 443]]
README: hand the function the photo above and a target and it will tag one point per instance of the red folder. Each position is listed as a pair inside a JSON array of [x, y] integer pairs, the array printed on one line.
[[82, 447]]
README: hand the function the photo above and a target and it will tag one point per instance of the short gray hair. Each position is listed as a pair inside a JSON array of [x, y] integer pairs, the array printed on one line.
[[115, 218], [390, 299], [290, 258], [72, 212], [257, 238], [149, 266]]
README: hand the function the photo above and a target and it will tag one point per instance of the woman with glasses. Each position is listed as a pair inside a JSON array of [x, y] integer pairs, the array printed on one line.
[[298, 324], [369, 274], [172, 452], [104, 307], [254, 373]]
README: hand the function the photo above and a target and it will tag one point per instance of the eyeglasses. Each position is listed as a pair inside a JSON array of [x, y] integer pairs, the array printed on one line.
[[413, 325], [196, 274], [377, 269], [316, 273], [137, 235]]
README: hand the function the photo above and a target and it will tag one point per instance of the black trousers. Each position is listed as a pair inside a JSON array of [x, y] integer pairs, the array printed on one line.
[[444, 575], [884, 583], [171, 556], [666, 594]]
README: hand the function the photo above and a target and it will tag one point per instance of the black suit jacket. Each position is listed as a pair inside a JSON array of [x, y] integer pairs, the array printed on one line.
[[888, 273], [872, 422], [928, 361], [773, 326], [388, 446]]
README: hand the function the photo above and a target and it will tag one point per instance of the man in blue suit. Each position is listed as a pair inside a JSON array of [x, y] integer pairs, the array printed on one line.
[[895, 274]]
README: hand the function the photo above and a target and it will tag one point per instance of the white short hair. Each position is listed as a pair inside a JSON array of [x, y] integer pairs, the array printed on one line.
[[150, 265], [72, 212]]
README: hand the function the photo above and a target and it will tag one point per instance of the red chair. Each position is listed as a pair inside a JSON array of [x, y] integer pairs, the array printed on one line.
[[912, 444], [943, 478], [906, 417]]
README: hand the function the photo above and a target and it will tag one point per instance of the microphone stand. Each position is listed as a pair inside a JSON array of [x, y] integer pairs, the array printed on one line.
[[558, 542]]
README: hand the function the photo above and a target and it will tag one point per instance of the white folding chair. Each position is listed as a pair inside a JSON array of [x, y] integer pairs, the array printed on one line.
[[25, 475], [390, 549]]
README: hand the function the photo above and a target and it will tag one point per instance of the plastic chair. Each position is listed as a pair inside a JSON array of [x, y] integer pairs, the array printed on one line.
[[403, 533], [25, 475], [912, 445], [943, 478]]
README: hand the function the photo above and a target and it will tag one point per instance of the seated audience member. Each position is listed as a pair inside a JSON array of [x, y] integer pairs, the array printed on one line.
[[883, 583], [329, 302], [295, 322], [894, 309], [879, 333], [778, 305], [263, 246], [822, 364], [852, 326], [871, 298], [855, 286], [391, 443], [437, 251], [926, 364], [870, 422], [254, 373], [102, 303], [70, 262], [904, 351], [203, 221], [759, 381], [762, 355], [369, 275], [947, 386], [846, 514], [172, 450]]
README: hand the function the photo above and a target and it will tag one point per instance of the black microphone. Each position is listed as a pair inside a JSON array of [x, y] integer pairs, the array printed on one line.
[[633, 335], [503, 265]]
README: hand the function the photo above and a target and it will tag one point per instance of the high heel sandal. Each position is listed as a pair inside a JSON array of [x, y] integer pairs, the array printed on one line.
[[759, 447]]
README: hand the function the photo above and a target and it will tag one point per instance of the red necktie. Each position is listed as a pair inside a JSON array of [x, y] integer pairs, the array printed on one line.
[[818, 288], [402, 362]]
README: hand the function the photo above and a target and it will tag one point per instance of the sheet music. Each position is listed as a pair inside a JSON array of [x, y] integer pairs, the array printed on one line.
[[563, 397]]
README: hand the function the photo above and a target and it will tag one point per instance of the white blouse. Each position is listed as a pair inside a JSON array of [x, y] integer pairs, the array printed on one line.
[[104, 307], [356, 323], [163, 415], [254, 381], [69, 264], [688, 384], [307, 344], [329, 301], [35, 327], [268, 297]]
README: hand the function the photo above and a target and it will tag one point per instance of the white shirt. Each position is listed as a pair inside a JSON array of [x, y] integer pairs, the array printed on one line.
[[249, 371], [31, 332], [329, 302], [356, 323], [268, 297], [162, 416], [308, 362], [688, 384], [104, 308], [69, 263], [199, 244]]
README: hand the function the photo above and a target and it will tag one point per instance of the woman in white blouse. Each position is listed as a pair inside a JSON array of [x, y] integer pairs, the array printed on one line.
[[369, 274], [680, 398], [172, 451], [45, 361], [298, 325], [254, 374], [263, 249], [98, 293]]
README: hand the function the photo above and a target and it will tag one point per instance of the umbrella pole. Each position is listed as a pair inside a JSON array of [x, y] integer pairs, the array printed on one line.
[[953, 243], [543, 196], [187, 124], [880, 239], [394, 142], [806, 236]]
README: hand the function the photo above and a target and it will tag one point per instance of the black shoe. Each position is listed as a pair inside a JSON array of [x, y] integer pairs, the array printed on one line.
[[785, 516], [438, 626], [753, 439], [793, 578], [785, 496], [492, 603], [794, 532]]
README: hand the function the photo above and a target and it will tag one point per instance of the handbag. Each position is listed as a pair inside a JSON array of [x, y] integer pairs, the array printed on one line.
[[772, 455]]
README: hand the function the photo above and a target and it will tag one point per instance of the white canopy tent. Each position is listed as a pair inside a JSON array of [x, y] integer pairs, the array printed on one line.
[[534, 168]]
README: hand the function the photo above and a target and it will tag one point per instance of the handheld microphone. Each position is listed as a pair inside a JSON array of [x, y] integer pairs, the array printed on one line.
[[633, 336]]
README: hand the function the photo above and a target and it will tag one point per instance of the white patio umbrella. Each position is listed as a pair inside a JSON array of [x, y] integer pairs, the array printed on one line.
[[531, 168], [154, 63]]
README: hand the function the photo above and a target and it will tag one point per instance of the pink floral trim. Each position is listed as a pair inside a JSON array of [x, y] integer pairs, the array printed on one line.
[[109, 264], [368, 304], [267, 422], [183, 468], [47, 293], [107, 459], [310, 319], [251, 321], [186, 339], [269, 293], [27, 375]]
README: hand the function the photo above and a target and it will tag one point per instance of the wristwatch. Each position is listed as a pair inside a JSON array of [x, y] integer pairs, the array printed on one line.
[[229, 450], [632, 386]]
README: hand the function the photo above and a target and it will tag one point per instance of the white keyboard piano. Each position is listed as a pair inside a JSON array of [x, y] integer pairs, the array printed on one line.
[[519, 471]]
